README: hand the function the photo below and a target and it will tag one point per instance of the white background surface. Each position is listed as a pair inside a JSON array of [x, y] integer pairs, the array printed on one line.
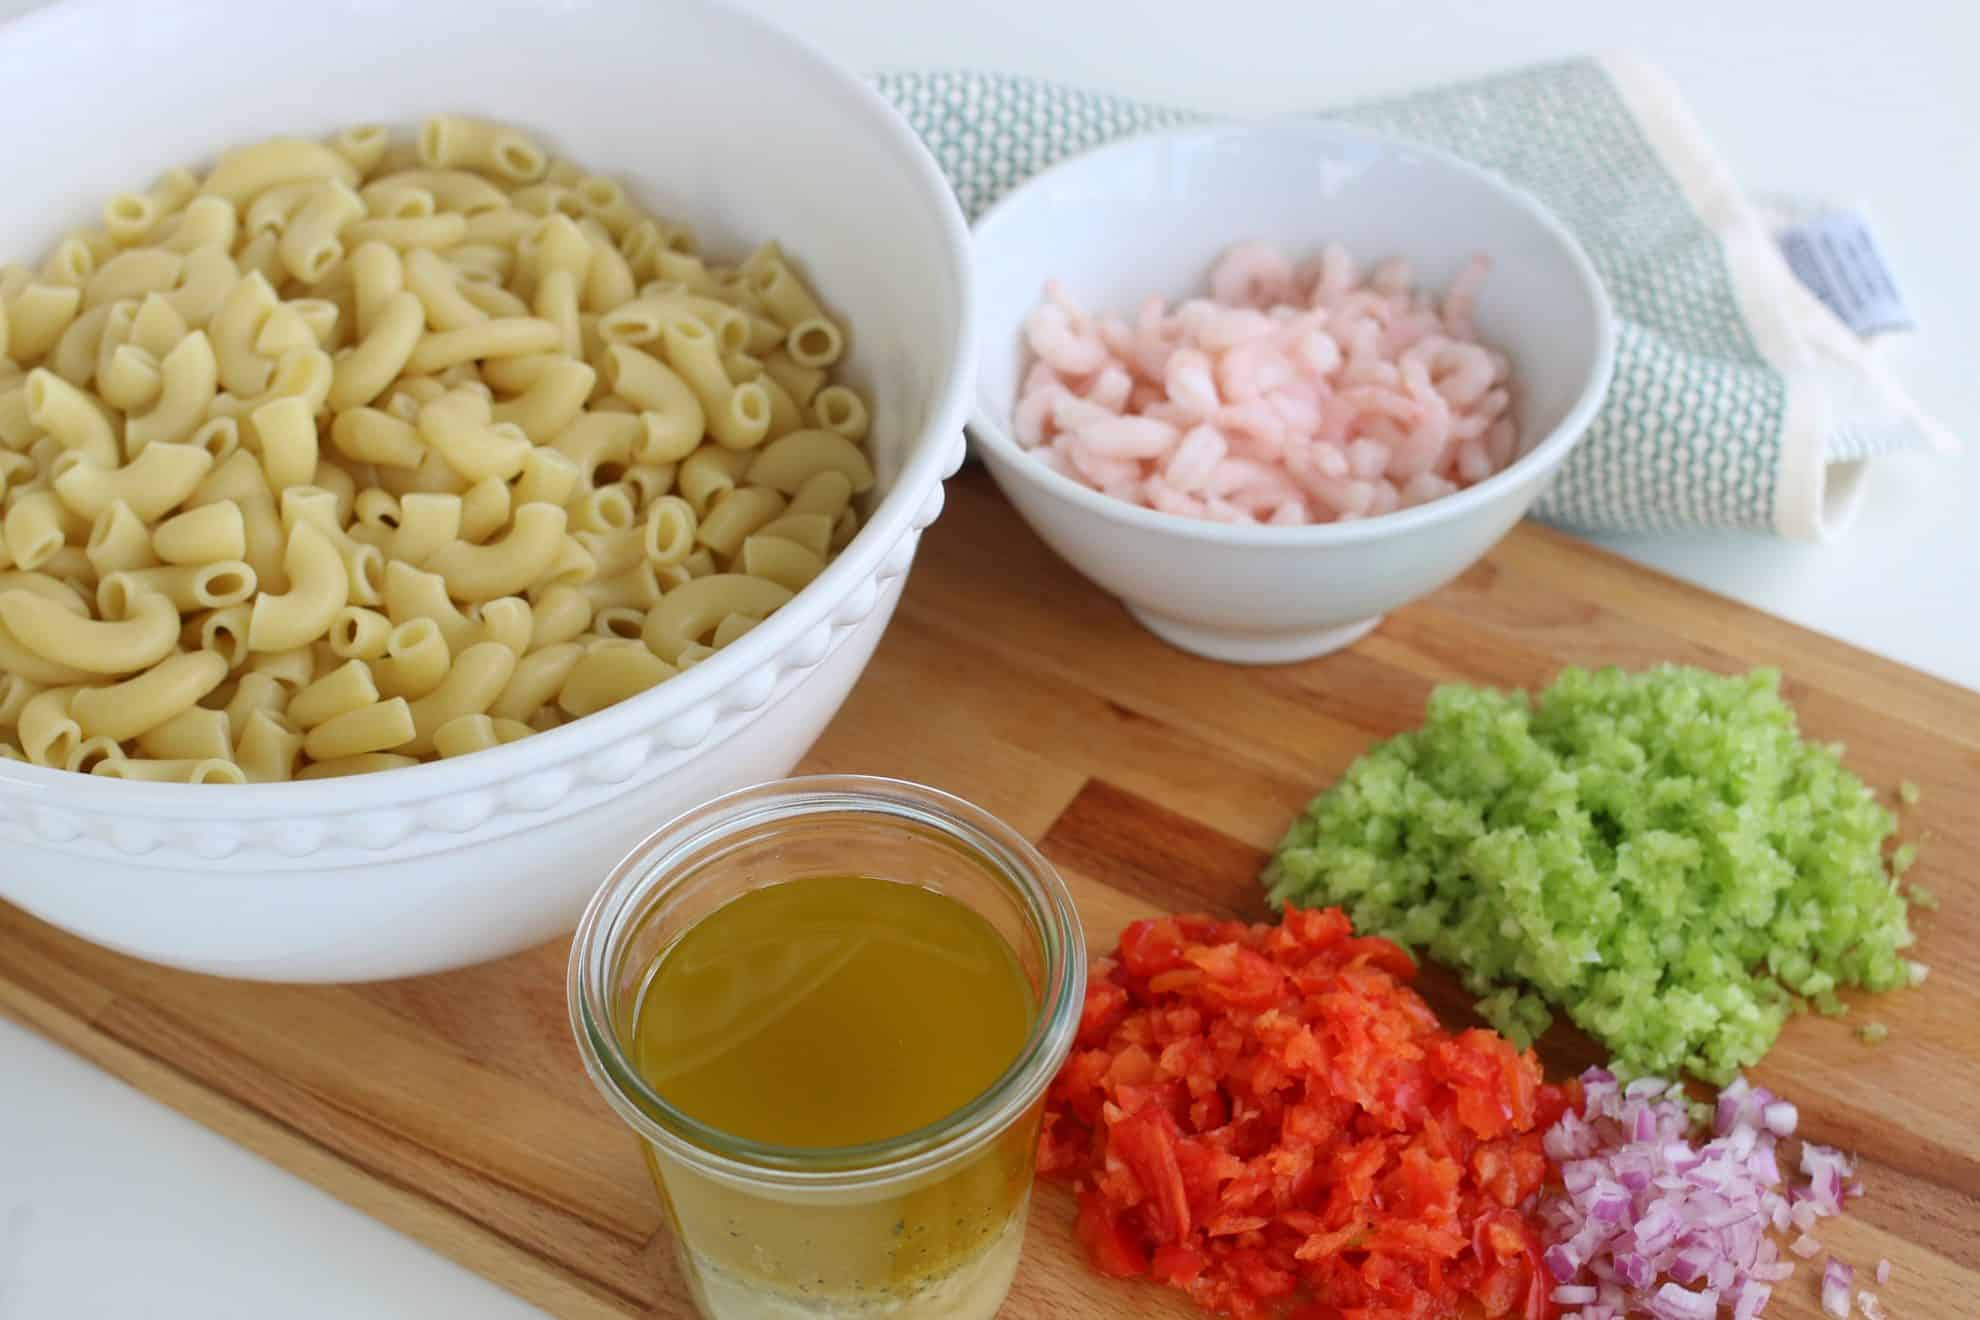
[[113, 1206]]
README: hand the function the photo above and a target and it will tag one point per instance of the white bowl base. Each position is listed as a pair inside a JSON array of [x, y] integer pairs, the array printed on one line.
[[1245, 647]]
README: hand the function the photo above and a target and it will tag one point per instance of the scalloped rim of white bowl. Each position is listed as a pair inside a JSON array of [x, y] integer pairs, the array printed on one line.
[[991, 425], [929, 462]]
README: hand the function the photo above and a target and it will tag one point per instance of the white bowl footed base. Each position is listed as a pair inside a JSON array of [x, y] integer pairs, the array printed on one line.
[[1240, 646]]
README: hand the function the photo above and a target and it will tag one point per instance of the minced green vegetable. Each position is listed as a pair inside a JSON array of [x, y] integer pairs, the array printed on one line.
[[1660, 855], [1908, 793], [1903, 857], [1873, 1033], [1920, 896]]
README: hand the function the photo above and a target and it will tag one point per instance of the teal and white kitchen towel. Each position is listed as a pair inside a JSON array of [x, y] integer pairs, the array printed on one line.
[[1748, 389]]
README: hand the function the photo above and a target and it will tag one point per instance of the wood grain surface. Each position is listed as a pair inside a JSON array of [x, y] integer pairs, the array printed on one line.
[[454, 1108]]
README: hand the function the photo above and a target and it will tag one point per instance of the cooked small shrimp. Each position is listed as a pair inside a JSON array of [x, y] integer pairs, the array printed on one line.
[[1162, 496], [1254, 274], [1049, 456], [1365, 364], [1306, 279], [1156, 336], [1031, 421], [1474, 420], [1298, 406], [1380, 401], [1191, 382], [1110, 388], [1052, 337], [1337, 274], [1472, 463], [1311, 463], [1292, 394], [1392, 276], [1425, 446], [1070, 412], [1461, 372], [1195, 456], [1217, 328], [1118, 336], [1244, 474], [1407, 331], [1348, 499], [1101, 470], [1367, 459], [1317, 353], [1463, 295], [1168, 410], [1128, 437], [1254, 427], [1252, 369], [1038, 377]]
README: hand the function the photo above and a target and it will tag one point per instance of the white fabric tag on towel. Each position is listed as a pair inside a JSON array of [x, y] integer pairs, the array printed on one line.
[[1835, 255]]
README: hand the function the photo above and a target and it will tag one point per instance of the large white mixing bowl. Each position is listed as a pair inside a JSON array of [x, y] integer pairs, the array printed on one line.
[[704, 113]]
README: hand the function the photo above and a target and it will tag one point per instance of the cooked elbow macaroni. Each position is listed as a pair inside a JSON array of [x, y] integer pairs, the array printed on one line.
[[353, 454]]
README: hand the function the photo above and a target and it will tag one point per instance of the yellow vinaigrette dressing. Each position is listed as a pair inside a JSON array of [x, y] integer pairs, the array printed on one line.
[[834, 1011]]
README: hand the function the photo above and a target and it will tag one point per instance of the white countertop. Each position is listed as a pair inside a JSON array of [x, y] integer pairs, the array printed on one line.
[[113, 1206]]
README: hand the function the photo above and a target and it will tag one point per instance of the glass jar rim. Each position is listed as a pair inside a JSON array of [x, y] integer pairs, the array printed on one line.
[[622, 902]]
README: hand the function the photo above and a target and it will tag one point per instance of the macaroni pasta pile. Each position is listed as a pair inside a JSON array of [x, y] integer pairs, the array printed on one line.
[[355, 454]]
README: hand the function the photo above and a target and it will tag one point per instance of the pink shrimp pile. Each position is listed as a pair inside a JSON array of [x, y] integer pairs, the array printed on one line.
[[1292, 395]]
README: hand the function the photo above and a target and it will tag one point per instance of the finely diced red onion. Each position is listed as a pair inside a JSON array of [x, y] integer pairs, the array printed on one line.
[[1728, 1106], [1730, 1216], [1872, 1308], [1805, 1246], [1655, 1223], [1712, 1174], [1826, 1168], [1671, 1302], [1883, 1272], [1836, 1278], [1690, 1265], [1575, 1294], [1751, 1301], [1610, 1208]]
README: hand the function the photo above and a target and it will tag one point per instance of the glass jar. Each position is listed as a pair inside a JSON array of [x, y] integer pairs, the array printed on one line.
[[926, 1224]]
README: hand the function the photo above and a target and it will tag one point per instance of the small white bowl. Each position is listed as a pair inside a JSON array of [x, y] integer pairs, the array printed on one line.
[[706, 113], [1151, 214]]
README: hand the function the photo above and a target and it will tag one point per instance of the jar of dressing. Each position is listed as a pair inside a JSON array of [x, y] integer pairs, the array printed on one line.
[[830, 1007]]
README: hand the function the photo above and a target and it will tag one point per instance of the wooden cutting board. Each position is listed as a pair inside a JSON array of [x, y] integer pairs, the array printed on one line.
[[454, 1108]]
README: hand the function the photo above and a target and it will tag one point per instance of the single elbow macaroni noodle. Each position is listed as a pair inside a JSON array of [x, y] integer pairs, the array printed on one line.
[[351, 455]]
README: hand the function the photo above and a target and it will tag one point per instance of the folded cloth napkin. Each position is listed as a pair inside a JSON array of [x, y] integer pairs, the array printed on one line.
[[1741, 398]]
